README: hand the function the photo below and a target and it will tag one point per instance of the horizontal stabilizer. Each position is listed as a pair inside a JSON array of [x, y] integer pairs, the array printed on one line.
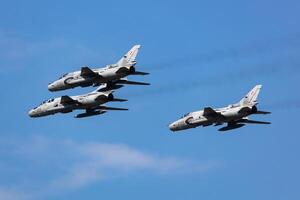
[[123, 81], [119, 100], [87, 72], [209, 112], [262, 112], [248, 121], [110, 108], [67, 100], [140, 73]]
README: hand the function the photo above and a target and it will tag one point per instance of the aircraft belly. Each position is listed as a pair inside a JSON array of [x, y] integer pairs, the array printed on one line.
[[111, 75], [231, 116], [79, 82]]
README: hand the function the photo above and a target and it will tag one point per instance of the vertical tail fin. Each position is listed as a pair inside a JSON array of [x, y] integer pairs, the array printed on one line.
[[251, 97], [130, 56]]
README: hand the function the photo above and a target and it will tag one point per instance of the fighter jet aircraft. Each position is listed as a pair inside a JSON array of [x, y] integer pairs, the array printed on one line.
[[111, 74], [234, 115], [91, 103]]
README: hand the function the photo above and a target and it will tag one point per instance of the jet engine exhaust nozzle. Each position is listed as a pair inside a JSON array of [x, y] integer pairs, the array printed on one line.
[[110, 97], [132, 69], [254, 109]]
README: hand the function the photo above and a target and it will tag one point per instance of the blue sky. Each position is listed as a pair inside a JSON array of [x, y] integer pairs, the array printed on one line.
[[199, 53]]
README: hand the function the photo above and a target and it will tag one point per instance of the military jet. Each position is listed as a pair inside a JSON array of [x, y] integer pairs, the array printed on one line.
[[92, 103], [235, 115], [111, 74]]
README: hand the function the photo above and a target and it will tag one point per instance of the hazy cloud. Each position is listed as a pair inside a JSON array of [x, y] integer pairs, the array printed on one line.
[[12, 194], [99, 161], [74, 165]]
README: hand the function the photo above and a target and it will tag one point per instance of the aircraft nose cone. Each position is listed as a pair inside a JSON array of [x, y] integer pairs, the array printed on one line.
[[51, 87], [172, 126], [31, 113]]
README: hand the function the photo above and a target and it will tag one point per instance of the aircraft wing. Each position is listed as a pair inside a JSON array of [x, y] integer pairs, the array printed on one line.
[[90, 113], [209, 112], [231, 126], [67, 100], [97, 111], [87, 72]]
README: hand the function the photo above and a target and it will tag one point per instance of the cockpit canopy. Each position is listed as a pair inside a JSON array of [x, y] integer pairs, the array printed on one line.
[[63, 76], [185, 115], [47, 101]]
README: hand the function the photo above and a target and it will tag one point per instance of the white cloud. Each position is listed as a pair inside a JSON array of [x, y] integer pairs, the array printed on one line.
[[61, 166], [99, 161]]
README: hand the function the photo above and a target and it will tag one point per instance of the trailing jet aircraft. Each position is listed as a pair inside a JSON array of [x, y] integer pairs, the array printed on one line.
[[111, 74], [234, 115], [91, 103]]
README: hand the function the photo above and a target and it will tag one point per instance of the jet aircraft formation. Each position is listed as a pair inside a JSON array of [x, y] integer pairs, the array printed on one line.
[[107, 79], [114, 76]]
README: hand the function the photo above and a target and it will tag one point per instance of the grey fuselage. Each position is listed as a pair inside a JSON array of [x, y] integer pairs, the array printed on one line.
[[228, 114], [75, 79], [87, 101]]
